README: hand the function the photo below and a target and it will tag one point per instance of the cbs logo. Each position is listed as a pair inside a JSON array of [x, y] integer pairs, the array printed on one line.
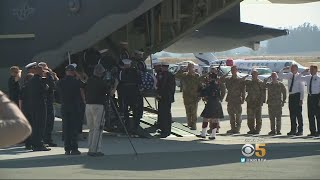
[[259, 150]]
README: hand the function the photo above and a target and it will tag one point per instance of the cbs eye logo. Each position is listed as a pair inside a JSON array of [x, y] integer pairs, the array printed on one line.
[[259, 150]]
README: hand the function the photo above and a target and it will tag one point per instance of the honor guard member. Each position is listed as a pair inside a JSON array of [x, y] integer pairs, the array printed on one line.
[[124, 50], [166, 90], [313, 89], [235, 98], [13, 84], [255, 98], [277, 95], [31, 68], [140, 65], [37, 92], [138, 61], [50, 79], [191, 86], [25, 105], [130, 81], [296, 95], [69, 90]]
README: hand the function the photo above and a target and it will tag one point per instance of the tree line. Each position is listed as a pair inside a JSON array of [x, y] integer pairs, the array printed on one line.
[[304, 38]]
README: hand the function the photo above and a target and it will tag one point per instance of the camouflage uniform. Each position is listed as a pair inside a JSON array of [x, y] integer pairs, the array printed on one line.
[[235, 97], [276, 98], [255, 99], [190, 91]]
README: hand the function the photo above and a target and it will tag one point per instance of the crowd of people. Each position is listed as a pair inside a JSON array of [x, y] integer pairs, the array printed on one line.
[[127, 76], [34, 94], [255, 92]]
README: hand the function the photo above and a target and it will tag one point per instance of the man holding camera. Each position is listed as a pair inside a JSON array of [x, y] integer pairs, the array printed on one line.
[[96, 89]]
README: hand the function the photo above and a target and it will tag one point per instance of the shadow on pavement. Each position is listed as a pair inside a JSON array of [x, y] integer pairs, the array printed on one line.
[[165, 161]]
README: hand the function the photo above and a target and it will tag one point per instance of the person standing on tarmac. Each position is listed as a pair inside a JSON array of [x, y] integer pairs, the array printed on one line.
[[255, 99], [13, 84], [130, 80], [277, 95], [191, 86], [296, 96], [50, 78], [213, 109], [69, 90], [235, 98], [312, 81], [166, 89], [36, 90], [96, 90], [25, 106]]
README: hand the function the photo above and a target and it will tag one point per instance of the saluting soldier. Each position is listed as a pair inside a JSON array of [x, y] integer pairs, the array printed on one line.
[[190, 91], [130, 81], [166, 90], [36, 90], [50, 79], [255, 99], [296, 96], [277, 95], [70, 93], [313, 89], [235, 98]]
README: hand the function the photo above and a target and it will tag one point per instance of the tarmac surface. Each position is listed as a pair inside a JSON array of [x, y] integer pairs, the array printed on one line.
[[175, 157]]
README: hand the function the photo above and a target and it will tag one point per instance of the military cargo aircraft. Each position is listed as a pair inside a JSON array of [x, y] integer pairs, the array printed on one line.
[[53, 31]]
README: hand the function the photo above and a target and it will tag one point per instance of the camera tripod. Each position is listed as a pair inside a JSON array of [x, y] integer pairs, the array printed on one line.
[[109, 105]]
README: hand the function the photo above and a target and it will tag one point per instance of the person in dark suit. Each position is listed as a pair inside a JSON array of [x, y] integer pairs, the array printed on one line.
[[36, 90], [50, 78], [69, 90], [166, 89], [13, 84], [130, 80]]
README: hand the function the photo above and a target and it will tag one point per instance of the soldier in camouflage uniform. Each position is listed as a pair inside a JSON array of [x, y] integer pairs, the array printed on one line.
[[191, 85], [235, 97], [276, 98], [255, 99]]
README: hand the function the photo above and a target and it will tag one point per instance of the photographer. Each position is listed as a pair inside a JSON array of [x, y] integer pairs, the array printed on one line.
[[96, 89]]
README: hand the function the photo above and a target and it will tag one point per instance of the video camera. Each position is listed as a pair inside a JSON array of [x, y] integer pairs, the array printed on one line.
[[110, 78]]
